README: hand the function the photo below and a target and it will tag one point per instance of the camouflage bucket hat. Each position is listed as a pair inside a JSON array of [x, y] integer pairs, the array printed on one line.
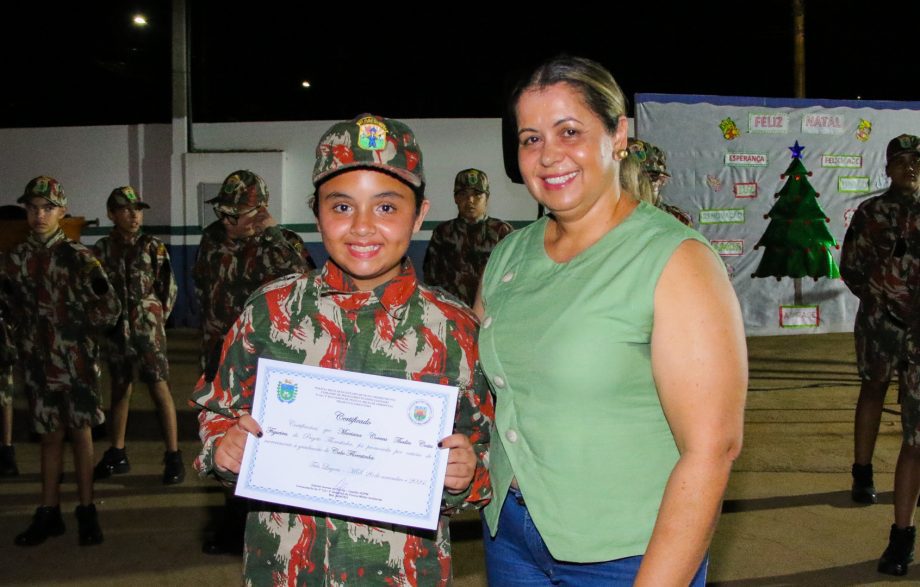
[[472, 179], [369, 142], [124, 197], [44, 187], [242, 188], [651, 157], [902, 144]]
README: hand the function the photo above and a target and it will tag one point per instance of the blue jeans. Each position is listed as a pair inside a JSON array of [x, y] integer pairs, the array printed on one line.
[[517, 556]]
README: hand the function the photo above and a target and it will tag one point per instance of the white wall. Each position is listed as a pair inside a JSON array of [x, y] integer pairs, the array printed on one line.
[[91, 161], [448, 146]]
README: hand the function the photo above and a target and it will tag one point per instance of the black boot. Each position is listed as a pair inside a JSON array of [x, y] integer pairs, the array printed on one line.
[[863, 487], [173, 468], [114, 462], [46, 522], [8, 466], [88, 523], [900, 551]]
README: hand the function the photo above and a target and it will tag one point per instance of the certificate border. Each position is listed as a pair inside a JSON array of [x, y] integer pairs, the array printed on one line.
[[365, 380]]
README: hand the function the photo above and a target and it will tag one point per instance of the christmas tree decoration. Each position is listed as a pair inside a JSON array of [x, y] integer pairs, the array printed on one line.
[[797, 242]]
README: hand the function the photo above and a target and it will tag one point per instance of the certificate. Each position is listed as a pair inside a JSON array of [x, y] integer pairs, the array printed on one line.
[[347, 443]]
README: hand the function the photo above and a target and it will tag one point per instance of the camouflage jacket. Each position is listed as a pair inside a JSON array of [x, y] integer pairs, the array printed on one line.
[[63, 298], [227, 271], [401, 329], [143, 279], [874, 249], [458, 252]]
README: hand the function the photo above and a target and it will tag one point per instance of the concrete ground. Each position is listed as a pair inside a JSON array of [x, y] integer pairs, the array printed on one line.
[[787, 516]]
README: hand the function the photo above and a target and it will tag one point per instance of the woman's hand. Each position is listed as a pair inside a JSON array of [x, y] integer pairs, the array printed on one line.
[[229, 452], [461, 462]]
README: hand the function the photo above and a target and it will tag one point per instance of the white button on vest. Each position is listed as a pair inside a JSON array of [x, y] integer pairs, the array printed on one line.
[[487, 322], [498, 381], [508, 276], [511, 435]]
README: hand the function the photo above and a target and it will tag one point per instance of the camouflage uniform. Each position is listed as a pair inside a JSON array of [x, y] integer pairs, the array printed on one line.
[[401, 329], [458, 252], [7, 346], [54, 287], [870, 250], [880, 264], [655, 163], [459, 248], [227, 271], [142, 277]]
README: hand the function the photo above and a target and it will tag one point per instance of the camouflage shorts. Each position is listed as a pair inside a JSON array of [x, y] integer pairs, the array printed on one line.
[[152, 366], [910, 405], [6, 385], [53, 405], [880, 350]]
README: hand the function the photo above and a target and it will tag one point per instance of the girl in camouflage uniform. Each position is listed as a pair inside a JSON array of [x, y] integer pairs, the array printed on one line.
[[363, 311]]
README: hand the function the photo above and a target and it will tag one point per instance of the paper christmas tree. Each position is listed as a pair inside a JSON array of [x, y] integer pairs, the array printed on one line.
[[797, 242]]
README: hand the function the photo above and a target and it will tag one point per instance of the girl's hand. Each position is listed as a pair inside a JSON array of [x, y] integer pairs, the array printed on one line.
[[229, 452]]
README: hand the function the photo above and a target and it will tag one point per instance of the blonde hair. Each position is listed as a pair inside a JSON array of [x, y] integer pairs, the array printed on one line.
[[596, 85], [634, 180]]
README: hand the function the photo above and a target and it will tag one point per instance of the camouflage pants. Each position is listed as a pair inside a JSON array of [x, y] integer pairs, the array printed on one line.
[[880, 350]]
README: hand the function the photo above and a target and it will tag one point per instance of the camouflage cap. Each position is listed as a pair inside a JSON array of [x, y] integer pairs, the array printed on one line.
[[125, 196], [44, 187], [651, 157], [472, 179], [242, 187], [902, 144], [369, 142]]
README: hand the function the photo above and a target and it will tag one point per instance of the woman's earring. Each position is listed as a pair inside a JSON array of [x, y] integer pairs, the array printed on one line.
[[621, 154]]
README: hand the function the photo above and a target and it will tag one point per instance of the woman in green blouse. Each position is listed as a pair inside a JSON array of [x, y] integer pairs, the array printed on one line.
[[614, 345]]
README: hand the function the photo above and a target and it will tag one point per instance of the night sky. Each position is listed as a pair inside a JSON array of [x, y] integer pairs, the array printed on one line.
[[84, 63]]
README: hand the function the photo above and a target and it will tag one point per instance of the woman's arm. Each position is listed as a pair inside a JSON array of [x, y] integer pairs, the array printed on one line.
[[699, 360]]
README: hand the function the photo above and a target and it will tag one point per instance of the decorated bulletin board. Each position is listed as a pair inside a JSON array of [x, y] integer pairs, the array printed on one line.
[[784, 174]]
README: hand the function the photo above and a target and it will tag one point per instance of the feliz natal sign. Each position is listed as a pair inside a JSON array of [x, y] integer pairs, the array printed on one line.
[[823, 124], [768, 123]]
